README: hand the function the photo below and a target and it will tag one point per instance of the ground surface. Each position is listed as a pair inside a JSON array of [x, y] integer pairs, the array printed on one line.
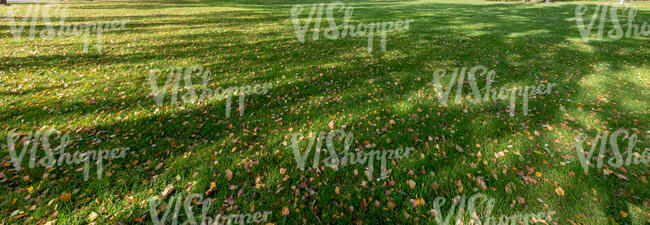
[[526, 162]]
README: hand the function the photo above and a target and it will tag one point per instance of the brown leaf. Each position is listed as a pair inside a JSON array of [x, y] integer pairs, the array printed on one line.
[[411, 183], [168, 190], [213, 188], [228, 174], [481, 183], [140, 219], [230, 200], [65, 197], [458, 148]]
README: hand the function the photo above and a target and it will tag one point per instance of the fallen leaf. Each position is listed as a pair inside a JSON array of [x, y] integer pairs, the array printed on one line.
[[65, 197], [481, 183], [92, 216], [411, 183], [228, 174], [168, 190], [213, 187]]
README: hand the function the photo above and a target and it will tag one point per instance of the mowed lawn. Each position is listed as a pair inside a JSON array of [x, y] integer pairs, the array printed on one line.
[[527, 163]]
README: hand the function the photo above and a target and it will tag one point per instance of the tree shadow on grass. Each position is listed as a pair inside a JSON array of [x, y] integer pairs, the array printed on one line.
[[361, 87]]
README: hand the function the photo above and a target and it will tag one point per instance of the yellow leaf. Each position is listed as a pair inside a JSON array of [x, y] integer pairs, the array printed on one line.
[[559, 191], [623, 214], [92, 216], [538, 174]]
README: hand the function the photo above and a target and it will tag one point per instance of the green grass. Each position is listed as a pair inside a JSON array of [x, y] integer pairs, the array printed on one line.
[[601, 85]]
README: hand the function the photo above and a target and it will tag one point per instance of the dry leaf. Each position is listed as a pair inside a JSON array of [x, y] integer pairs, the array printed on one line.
[[623, 214], [228, 174], [168, 190], [481, 183], [65, 197], [92, 216], [213, 188], [411, 183]]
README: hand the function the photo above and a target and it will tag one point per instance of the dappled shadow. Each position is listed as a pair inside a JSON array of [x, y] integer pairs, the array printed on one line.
[[333, 80]]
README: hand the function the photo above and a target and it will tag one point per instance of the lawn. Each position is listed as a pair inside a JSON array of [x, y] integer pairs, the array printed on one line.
[[101, 97]]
